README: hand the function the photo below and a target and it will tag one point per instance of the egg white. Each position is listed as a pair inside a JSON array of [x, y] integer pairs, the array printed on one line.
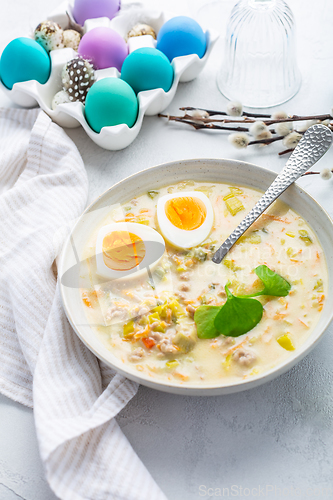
[[151, 258], [181, 238]]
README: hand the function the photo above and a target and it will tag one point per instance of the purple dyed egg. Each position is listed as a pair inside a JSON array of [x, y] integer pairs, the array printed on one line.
[[90, 9], [104, 47]]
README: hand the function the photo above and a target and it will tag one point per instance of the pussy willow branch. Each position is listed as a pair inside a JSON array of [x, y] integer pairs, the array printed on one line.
[[273, 139], [248, 116], [190, 120], [211, 112], [286, 151], [312, 173], [201, 122], [267, 141]]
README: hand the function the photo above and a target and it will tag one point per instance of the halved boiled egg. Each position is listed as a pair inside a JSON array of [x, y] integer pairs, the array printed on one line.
[[185, 219], [125, 248]]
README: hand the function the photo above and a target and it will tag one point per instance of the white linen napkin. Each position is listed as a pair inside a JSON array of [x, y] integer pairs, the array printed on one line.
[[43, 187]]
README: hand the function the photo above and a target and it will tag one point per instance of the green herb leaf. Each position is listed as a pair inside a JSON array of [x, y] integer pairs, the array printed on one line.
[[204, 318], [274, 284], [238, 315]]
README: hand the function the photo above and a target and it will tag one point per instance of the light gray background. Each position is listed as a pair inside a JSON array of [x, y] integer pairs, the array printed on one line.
[[278, 436]]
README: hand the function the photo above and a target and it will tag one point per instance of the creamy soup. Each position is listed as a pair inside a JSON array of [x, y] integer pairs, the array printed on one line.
[[147, 318]]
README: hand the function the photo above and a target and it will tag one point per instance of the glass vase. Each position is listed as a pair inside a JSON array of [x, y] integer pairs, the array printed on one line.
[[260, 67]]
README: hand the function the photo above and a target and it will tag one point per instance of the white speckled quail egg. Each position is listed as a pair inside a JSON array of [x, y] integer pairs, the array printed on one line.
[[126, 248], [72, 39], [61, 97], [185, 219], [49, 35], [141, 29]]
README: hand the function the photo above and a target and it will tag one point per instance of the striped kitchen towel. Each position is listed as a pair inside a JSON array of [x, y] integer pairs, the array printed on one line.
[[43, 187]]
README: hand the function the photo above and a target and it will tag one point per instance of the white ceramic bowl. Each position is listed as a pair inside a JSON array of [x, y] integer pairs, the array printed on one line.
[[227, 171]]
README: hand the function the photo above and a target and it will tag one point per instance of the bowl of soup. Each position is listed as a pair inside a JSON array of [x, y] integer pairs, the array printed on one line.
[[141, 291]]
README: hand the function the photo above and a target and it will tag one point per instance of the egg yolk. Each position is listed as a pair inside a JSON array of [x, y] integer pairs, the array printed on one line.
[[186, 212], [122, 250]]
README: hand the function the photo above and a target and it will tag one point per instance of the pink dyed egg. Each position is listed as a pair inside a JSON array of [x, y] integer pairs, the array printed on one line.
[[90, 9], [104, 47]]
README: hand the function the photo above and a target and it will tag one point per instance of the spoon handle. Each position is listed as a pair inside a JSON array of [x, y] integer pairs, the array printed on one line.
[[313, 145]]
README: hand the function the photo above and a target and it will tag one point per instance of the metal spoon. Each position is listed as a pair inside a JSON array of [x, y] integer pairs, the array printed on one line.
[[313, 145]]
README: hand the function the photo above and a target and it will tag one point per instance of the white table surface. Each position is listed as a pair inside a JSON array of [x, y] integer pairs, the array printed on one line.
[[278, 436]]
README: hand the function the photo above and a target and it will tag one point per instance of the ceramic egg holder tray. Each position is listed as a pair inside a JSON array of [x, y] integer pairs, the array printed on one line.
[[151, 102]]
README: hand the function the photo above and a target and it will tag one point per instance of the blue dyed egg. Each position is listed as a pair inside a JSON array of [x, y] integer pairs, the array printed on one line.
[[181, 36], [147, 69], [109, 102], [24, 59]]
